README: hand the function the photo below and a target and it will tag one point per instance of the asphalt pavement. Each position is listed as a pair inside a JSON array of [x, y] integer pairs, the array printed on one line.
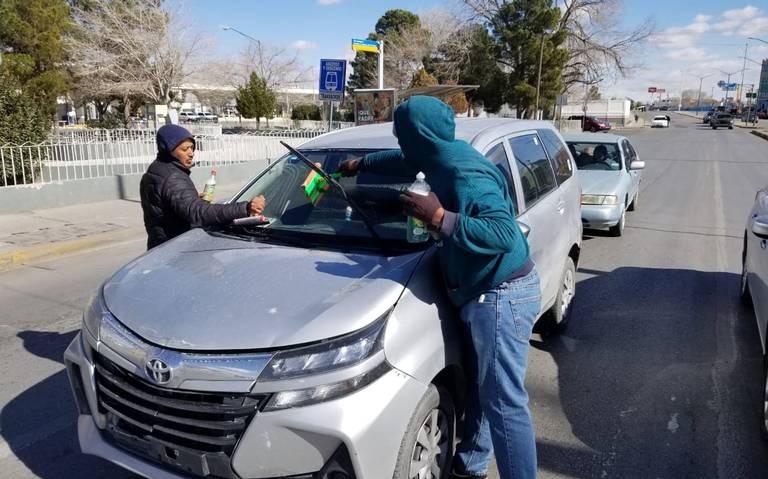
[[657, 376]]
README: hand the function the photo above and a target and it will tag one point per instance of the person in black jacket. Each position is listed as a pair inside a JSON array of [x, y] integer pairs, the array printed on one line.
[[170, 201]]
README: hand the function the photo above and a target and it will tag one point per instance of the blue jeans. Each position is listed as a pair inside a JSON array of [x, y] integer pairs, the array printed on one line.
[[499, 324]]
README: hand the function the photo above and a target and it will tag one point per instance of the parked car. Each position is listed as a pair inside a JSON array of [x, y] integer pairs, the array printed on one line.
[[188, 116], [590, 123], [208, 117], [660, 121], [721, 119], [754, 284], [309, 347], [762, 114], [609, 169]]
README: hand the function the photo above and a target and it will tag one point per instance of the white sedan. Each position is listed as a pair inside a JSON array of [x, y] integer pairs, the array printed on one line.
[[660, 121]]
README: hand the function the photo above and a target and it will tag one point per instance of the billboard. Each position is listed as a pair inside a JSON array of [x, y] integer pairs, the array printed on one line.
[[652, 89], [374, 106]]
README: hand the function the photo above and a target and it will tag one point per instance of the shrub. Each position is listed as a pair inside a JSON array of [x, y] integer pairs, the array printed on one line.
[[306, 112], [21, 121]]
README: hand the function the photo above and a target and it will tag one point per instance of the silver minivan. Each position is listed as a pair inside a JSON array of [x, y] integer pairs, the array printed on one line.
[[315, 342]]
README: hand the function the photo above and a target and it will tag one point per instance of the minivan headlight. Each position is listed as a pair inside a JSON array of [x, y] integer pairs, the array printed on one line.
[[599, 200], [337, 353], [94, 313]]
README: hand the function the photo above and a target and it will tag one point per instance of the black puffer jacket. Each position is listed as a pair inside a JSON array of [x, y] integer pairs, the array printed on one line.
[[172, 206]]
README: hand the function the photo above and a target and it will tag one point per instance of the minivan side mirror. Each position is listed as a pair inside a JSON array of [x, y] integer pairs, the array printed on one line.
[[637, 165], [524, 228], [760, 227]]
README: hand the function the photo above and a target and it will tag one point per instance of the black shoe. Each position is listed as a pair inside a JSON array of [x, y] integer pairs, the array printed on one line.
[[456, 475]]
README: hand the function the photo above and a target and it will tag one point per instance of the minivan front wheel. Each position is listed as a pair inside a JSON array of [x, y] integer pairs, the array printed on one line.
[[618, 229], [426, 450]]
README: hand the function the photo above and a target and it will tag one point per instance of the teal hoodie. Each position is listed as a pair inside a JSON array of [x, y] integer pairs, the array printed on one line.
[[483, 246]]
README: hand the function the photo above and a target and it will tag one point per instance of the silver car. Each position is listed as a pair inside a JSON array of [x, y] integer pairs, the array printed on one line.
[[609, 169], [315, 342], [754, 281]]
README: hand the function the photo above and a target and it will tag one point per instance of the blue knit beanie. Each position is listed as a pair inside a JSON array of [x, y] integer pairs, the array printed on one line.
[[171, 136]]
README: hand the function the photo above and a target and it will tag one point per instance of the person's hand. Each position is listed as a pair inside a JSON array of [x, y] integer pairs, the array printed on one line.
[[425, 208], [257, 205], [349, 167]]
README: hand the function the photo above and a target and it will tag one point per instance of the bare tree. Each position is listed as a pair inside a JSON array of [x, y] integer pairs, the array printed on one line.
[[276, 65], [132, 48], [404, 55], [450, 42], [598, 49]]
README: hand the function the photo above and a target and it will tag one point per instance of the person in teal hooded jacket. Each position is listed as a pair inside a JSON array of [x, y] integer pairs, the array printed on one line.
[[486, 265]]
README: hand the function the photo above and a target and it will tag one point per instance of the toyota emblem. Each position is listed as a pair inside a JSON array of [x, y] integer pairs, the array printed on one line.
[[158, 371]]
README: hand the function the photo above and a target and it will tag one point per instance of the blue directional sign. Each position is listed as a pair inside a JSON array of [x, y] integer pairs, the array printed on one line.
[[728, 86], [332, 78]]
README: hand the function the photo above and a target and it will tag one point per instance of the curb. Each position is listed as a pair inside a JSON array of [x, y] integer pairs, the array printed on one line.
[[22, 256], [760, 134]]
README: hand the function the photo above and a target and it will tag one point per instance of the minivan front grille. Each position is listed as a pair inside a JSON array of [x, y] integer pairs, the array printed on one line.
[[196, 432]]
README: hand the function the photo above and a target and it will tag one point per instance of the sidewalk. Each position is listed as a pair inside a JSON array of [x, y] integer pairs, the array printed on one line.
[[37, 235]]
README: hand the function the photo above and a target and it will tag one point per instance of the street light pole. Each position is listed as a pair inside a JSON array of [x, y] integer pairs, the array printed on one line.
[[727, 85], [698, 99], [227, 27]]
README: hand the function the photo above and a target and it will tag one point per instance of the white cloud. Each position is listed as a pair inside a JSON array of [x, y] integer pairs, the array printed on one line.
[[328, 2], [741, 14], [303, 45], [747, 21], [688, 53], [677, 37]]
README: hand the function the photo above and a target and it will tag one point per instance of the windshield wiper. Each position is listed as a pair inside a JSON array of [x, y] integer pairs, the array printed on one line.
[[332, 181]]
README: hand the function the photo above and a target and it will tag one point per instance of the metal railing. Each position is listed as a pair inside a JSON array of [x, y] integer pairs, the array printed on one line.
[[76, 158]]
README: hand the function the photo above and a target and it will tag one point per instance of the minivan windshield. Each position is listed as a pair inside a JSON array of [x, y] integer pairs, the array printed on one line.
[[297, 214], [596, 156]]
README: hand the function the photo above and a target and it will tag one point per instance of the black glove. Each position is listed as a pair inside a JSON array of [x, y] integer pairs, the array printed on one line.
[[425, 208], [349, 167]]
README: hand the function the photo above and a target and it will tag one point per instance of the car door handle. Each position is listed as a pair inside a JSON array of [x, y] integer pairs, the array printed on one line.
[[561, 207], [524, 228]]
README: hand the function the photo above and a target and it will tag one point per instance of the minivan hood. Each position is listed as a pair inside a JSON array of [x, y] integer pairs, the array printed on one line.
[[595, 182], [206, 293]]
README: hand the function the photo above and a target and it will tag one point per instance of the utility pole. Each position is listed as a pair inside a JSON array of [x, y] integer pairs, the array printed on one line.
[[538, 78], [698, 99], [743, 68]]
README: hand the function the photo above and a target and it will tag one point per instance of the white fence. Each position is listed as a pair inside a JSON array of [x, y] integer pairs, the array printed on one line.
[[76, 158], [282, 123]]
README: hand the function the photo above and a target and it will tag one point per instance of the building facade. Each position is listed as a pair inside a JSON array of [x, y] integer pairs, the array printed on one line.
[[762, 91]]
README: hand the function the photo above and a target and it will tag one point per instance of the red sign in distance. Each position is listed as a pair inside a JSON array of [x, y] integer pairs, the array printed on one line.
[[651, 89]]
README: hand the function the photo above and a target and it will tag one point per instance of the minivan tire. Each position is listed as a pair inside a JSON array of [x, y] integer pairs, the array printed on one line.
[[556, 319], [745, 295], [618, 229], [633, 205], [436, 406]]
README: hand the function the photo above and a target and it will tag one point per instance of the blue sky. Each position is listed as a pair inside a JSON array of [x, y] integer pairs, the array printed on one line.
[[694, 37]]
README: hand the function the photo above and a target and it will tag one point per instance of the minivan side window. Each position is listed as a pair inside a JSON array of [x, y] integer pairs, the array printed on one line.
[[498, 156], [536, 172], [558, 155]]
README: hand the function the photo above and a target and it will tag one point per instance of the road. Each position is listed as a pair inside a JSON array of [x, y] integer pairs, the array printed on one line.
[[657, 376]]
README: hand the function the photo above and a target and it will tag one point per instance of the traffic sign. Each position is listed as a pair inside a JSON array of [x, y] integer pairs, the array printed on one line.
[[360, 45], [332, 78], [728, 86], [752, 95], [652, 89], [661, 90]]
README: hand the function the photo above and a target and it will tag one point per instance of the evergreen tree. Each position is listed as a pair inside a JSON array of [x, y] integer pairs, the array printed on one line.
[[31, 35], [255, 99], [519, 28]]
